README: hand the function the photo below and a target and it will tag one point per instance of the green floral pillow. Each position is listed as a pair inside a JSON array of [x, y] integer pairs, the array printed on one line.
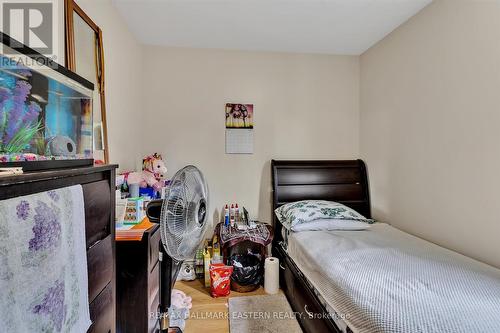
[[300, 212]]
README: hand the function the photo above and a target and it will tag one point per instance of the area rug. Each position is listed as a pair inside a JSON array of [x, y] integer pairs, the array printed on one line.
[[265, 313]]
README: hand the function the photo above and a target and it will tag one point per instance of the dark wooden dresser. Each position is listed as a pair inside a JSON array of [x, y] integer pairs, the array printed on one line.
[[137, 283], [98, 190]]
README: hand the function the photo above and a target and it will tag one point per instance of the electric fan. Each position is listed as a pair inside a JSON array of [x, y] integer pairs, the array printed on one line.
[[182, 216]]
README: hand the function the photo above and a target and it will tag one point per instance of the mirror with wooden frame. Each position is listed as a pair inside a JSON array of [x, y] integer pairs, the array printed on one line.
[[85, 56]]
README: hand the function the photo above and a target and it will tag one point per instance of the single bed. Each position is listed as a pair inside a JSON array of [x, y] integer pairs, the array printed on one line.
[[379, 280]]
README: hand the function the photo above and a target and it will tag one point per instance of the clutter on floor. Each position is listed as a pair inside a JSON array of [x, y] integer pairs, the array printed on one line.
[[179, 309], [187, 271], [208, 314], [234, 258], [220, 279]]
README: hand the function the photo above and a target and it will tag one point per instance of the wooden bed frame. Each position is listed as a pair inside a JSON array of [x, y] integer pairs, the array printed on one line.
[[341, 181]]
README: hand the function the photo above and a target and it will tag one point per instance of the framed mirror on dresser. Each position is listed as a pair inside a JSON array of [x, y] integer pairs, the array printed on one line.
[[85, 56]]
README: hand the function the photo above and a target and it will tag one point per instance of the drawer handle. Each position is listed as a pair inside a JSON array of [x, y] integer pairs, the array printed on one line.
[[283, 268]]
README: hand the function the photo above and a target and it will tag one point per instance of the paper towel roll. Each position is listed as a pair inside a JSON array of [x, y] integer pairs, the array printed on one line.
[[271, 275]]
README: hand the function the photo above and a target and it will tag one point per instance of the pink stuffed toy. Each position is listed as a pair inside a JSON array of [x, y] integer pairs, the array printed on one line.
[[153, 173]]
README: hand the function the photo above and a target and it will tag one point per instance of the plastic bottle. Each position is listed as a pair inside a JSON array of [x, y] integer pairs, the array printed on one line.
[[232, 215], [236, 213], [206, 262], [226, 215], [216, 246], [199, 263]]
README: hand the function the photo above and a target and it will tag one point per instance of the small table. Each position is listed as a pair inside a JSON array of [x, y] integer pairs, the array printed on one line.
[[234, 241]]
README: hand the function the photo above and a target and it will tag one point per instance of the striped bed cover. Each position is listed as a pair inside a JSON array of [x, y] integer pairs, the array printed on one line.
[[384, 280]]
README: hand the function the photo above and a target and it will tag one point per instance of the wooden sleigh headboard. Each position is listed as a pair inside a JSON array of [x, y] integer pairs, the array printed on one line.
[[343, 181]]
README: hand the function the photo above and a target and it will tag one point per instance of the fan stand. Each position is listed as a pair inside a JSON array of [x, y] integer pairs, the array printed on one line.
[[165, 291], [168, 274], [169, 267]]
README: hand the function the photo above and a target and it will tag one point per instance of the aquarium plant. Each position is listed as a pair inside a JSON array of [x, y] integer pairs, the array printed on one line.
[[19, 118]]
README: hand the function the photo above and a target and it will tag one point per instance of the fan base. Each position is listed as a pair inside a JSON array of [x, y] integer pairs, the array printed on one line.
[[166, 329]]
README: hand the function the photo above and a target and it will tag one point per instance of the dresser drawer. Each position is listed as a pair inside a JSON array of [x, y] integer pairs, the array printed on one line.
[[101, 311], [138, 278], [154, 248], [155, 328], [97, 197], [153, 312], [155, 302], [153, 284], [100, 266]]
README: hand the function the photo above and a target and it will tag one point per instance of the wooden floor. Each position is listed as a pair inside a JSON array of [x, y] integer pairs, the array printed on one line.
[[208, 314]]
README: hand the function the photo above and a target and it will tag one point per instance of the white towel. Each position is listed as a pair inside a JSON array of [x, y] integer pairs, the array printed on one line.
[[43, 263]]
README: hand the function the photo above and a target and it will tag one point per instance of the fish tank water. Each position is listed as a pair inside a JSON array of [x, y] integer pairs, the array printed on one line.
[[45, 114]]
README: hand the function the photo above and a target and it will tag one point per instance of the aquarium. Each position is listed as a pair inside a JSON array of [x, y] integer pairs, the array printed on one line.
[[45, 114]]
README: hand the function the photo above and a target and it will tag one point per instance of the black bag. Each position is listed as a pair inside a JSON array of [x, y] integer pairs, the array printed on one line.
[[248, 269]]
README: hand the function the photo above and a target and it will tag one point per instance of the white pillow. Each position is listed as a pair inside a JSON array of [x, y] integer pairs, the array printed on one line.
[[306, 211], [331, 224]]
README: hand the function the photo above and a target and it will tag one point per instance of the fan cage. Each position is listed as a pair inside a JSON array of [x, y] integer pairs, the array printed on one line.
[[183, 219]]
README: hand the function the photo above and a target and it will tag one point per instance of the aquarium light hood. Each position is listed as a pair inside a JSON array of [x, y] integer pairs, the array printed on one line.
[[39, 63], [14, 74]]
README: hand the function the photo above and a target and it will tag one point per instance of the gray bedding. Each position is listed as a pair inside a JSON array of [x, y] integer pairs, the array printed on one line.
[[385, 280]]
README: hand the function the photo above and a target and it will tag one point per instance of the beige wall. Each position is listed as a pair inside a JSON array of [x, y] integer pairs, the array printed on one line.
[[430, 126], [306, 107], [123, 72]]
